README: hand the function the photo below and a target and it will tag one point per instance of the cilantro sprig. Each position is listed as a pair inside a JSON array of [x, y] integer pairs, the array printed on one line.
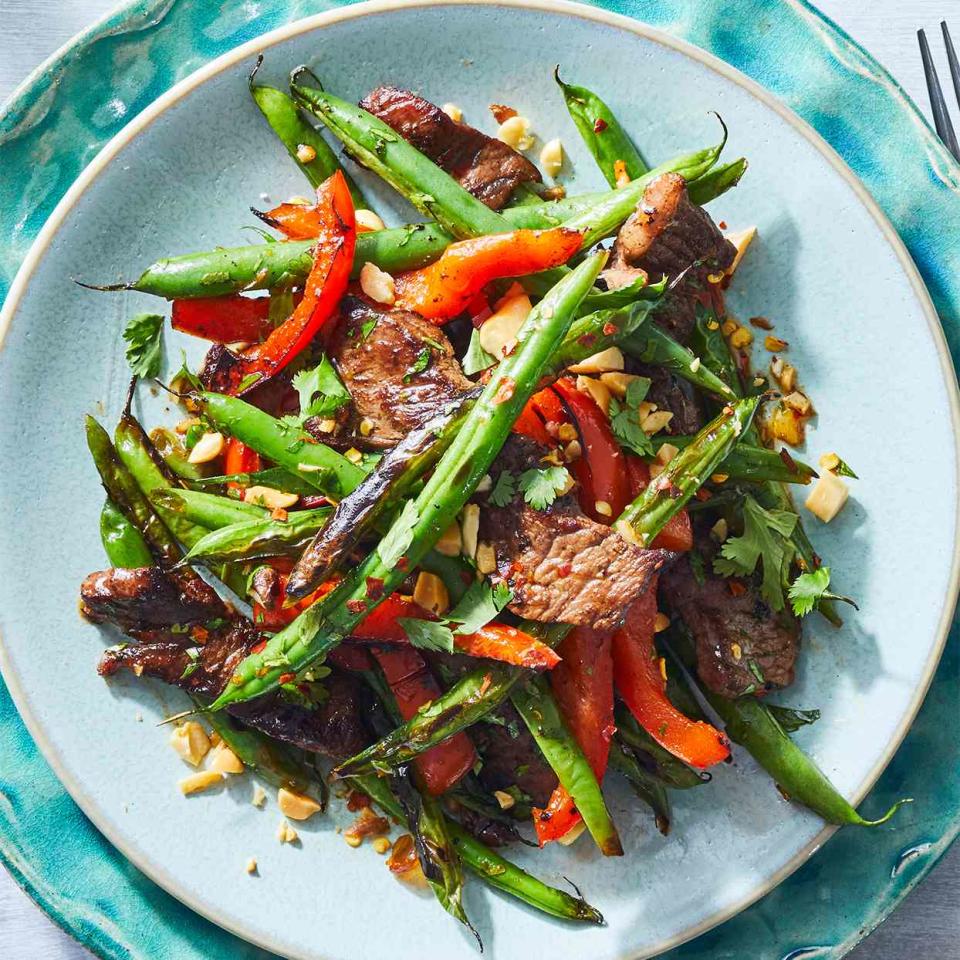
[[809, 589], [144, 336], [625, 418], [478, 606], [540, 486]]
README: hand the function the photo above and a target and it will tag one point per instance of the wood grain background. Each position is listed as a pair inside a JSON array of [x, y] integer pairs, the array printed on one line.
[[927, 925]]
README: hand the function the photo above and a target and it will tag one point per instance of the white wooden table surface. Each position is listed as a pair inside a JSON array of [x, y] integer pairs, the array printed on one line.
[[927, 925]]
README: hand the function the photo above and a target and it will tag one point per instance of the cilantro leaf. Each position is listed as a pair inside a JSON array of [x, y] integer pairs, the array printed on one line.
[[320, 390], [420, 363], [504, 490], [144, 334], [764, 539], [810, 588], [185, 374], [476, 358], [541, 487], [428, 634], [394, 545], [792, 719], [625, 419], [366, 328], [479, 605], [842, 469]]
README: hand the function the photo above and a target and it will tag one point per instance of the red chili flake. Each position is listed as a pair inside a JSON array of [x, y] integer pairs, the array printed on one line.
[[485, 686], [356, 606], [703, 494], [403, 563], [374, 588], [609, 329], [736, 588], [722, 224], [278, 513], [200, 634], [258, 647], [467, 578], [599, 125], [788, 460], [357, 801], [565, 569], [286, 678], [587, 339], [505, 391], [502, 113], [608, 731], [762, 322]]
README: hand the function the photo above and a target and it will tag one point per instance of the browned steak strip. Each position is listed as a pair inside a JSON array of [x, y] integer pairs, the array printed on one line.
[[562, 566], [148, 597], [666, 235], [742, 645], [484, 166], [378, 354], [202, 659]]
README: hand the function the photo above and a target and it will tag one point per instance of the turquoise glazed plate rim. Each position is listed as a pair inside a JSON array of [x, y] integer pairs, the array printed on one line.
[[165, 101]]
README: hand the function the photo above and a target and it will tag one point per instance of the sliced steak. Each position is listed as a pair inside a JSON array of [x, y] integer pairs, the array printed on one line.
[[379, 365], [202, 659], [671, 393], [666, 235], [511, 756], [742, 645], [486, 167], [562, 566], [148, 597]]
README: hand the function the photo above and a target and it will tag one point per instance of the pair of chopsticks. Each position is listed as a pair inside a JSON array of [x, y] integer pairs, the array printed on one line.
[[941, 116]]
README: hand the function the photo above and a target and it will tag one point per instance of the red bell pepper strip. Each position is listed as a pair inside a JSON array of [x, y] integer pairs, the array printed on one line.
[[297, 221], [495, 641], [582, 685], [413, 685], [223, 319], [600, 471], [348, 656], [678, 533], [446, 287], [239, 458], [641, 682], [528, 424], [326, 284]]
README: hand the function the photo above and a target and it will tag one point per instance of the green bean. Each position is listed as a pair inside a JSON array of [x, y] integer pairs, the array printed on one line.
[[751, 463], [716, 182], [274, 477], [379, 148], [654, 345], [602, 133], [124, 491], [685, 474], [296, 134], [207, 510], [709, 344], [487, 864], [661, 764], [750, 724], [122, 541], [259, 539], [285, 444], [539, 711], [323, 625], [646, 786]]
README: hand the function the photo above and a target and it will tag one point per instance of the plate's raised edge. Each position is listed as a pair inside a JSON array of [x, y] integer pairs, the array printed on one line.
[[566, 8]]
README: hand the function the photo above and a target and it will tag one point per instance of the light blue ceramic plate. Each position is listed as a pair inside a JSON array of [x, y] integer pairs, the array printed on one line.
[[828, 269]]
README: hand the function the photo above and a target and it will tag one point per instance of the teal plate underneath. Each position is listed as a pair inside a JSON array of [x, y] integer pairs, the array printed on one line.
[[73, 105]]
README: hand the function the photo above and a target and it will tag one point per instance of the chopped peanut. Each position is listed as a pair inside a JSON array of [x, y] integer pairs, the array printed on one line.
[[224, 760], [207, 448], [377, 284], [656, 421], [572, 835], [827, 497], [450, 541], [453, 112], [269, 497], [603, 508], [774, 344], [551, 157], [787, 425], [296, 806], [354, 455], [741, 338], [259, 797], [598, 390], [191, 742], [251, 866], [505, 799], [605, 361], [286, 833], [369, 220], [741, 239], [617, 382], [431, 593], [829, 461], [306, 153], [486, 558], [203, 780], [515, 132], [503, 325], [719, 530], [799, 402], [469, 529], [660, 622], [381, 845]]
